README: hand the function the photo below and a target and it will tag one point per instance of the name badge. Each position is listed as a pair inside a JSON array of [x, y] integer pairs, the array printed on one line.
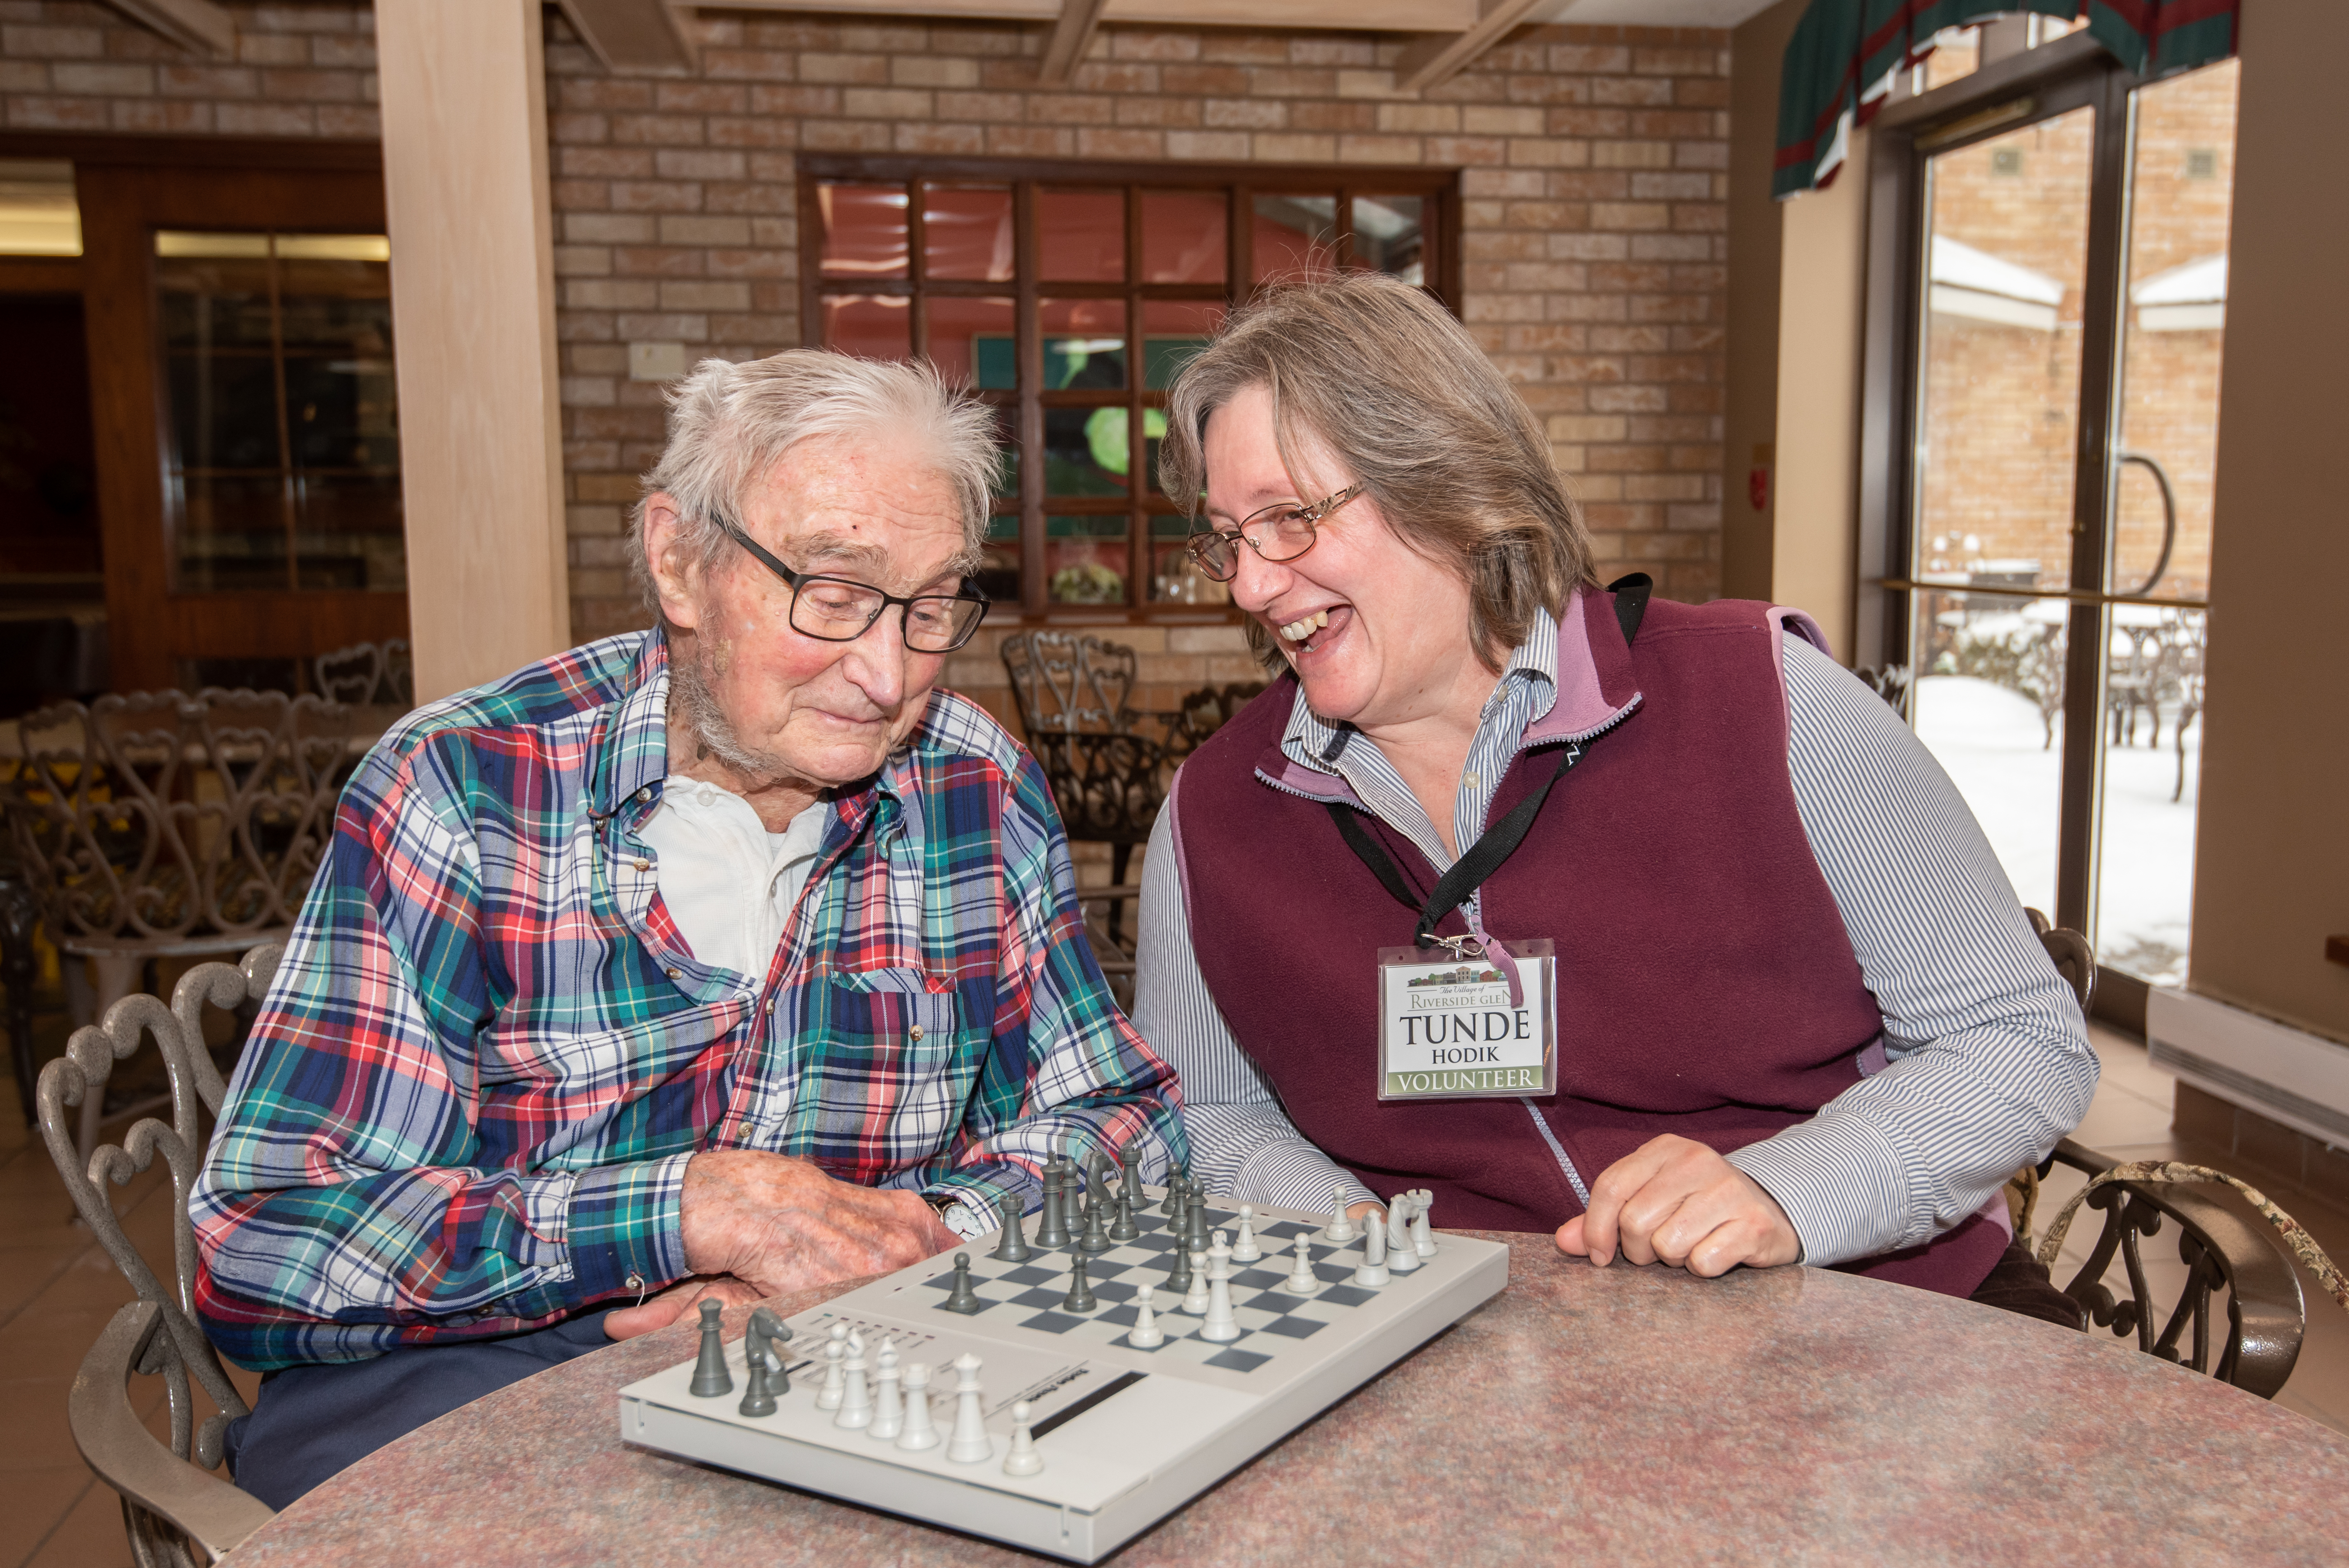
[[1448, 1030]]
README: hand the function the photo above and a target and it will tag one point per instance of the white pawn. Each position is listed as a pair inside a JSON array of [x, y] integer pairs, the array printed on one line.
[[918, 1433], [1195, 1300], [1340, 1228], [834, 1346], [1244, 1247], [1373, 1269], [1145, 1334], [1423, 1236], [888, 1410], [1302, 1280], [1023, 1459], [1400, 1259], [1222, 1324], [969, 1444], [856, 1399]]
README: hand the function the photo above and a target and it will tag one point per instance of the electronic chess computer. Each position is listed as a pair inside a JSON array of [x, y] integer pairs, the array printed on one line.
[[1063, 1384]]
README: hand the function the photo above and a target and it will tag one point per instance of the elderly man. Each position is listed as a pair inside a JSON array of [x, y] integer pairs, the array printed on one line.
[[729, 957]]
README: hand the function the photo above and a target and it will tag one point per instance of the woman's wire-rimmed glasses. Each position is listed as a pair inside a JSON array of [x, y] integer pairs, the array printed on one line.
[[1280, 531], [842, 610]]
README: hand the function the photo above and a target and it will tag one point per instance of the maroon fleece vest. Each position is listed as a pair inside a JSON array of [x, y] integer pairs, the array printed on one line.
[[1706, 985]]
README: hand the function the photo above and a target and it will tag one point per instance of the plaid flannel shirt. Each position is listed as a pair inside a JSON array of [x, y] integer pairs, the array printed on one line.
[[467, 1101]]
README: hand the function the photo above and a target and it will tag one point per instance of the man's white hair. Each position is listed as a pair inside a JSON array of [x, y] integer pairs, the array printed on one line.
[[730, 423]]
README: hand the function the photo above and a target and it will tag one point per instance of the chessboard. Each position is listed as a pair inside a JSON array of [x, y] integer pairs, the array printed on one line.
[[1119, 1434]]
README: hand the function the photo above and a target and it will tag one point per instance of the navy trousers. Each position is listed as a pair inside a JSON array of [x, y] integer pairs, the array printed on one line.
[[310, 1422]]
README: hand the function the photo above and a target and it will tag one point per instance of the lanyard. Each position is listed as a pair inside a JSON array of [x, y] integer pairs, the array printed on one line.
[[1501, 839]]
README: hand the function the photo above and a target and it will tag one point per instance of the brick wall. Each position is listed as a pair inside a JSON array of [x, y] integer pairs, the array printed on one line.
[[299, 70]]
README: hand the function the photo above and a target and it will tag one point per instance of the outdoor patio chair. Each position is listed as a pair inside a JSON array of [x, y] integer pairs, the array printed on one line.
[[369, 675], [1206, 711], [160, 825], [171, 1499]]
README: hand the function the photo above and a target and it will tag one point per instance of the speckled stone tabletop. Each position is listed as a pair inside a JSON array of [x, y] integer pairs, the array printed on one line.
[[1620, 1415]]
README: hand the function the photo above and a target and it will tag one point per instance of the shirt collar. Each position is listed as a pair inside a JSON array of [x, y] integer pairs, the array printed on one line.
[[1314, 742]]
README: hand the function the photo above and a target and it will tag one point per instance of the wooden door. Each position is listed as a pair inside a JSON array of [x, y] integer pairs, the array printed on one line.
[[240, 387]]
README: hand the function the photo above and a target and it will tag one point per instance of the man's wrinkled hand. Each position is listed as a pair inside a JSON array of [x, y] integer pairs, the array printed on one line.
[[627, 1323], [778, 1224], [1675, 1200]]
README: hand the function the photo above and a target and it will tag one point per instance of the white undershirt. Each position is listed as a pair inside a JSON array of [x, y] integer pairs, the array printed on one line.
[[729, 883]]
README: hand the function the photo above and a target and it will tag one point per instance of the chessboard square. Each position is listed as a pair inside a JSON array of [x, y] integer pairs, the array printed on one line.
[[1156, 1241], [1295, 1327], [1258, 1279], [1055, 1322], [1028, 1274], [1286, 1228], [1198, 1334], [1040, 1297], [1347, 1295], [1333, 1273], [1238, 1360], [1116, 1290], [1126, 1342], [1124, 1316]]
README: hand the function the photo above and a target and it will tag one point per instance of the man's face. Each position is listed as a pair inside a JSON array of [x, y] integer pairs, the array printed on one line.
[[787, 705]]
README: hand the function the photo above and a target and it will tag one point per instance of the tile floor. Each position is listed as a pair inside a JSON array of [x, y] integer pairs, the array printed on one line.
[[57, 1288]]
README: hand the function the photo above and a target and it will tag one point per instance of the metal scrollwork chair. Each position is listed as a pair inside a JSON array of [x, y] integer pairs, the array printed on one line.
[[171, 1501], [160, 825], [2266, 1314], [368, 674], [1107, 778], [1206, 710]]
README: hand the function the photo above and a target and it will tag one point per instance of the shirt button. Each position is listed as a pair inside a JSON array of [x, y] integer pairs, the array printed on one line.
[[642, 864], [1470, 781], [644, 795], [917, 1032], [673, 973], [770, 1004]]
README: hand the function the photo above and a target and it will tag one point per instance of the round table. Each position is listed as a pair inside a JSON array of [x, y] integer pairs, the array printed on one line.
[[1625, 1415]]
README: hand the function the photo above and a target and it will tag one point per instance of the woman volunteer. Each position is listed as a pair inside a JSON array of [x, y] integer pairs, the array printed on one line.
[[1637, 920]]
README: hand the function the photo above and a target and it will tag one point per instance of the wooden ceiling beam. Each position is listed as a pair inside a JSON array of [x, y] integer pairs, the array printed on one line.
[[194, 24], [1440, 56], [631, 34], [1072, 34]]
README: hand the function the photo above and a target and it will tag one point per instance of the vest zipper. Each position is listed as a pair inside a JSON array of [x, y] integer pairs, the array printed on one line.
[[1557, 1148]]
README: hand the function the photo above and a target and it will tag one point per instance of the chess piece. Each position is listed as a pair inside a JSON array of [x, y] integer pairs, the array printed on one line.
[[855, 1398], [1195, 1294], [918, 1433], [1128, 1164], [1172, 1204], [1145, 1334], [1080, 1291], [1124, 1228], [1302, 1280], [1052, 1227], [1179, 1278], [963, 1299], [1095, 1238], [1244, 1247], [773, 1334], [1195, 1222], [1400, 1259], [1222, 1325], [710, 1377], [1340, 1228], [969, 1443], [888, 1405], [1422, 1234], [1012, 1248], [757, 1399], [1372, 1272], [1023, 1459], [836, 1346]]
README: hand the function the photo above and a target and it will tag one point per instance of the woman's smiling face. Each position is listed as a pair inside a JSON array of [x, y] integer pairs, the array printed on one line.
[[1384, 629]]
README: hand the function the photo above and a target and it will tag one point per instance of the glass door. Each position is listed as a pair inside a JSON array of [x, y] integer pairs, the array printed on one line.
[[2047, 298]]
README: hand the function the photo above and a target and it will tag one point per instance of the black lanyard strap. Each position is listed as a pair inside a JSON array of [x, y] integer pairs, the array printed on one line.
[[1499, 841]]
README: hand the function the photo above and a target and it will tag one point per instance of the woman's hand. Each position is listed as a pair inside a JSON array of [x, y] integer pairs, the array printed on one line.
[[1675, 1200]]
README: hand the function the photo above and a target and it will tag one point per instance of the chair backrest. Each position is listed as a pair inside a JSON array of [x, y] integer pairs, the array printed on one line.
[[158, 1335], [368, 674], [1209, 708], [160, 814], [1068, 683]]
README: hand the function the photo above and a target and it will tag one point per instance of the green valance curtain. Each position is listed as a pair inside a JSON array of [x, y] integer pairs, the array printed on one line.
[[1841, 60]]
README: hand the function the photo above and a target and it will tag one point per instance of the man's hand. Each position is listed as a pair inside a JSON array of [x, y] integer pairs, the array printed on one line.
[[627, 1323], [1676, 1201], [778, 1224]]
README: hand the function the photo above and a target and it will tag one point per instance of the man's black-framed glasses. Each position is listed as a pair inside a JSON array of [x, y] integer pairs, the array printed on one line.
[[1280, 531], [842, 610]]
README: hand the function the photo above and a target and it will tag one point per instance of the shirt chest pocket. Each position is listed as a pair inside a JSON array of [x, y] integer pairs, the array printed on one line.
[[881, 1077]]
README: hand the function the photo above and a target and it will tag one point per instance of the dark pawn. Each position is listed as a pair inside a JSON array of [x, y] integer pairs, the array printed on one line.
[[1195, 1222], [1096, 1238], [1013, 1246], [1124, 1228], [965, 1299], [1179, 1282], [1080, 1291], [1128, 1164], [1053, 1228], [710, 1377], [757, 1399], [775, 1334], [1172, 1204]]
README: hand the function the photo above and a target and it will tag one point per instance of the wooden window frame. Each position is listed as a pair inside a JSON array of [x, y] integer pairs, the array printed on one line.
[[1438, 189]]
